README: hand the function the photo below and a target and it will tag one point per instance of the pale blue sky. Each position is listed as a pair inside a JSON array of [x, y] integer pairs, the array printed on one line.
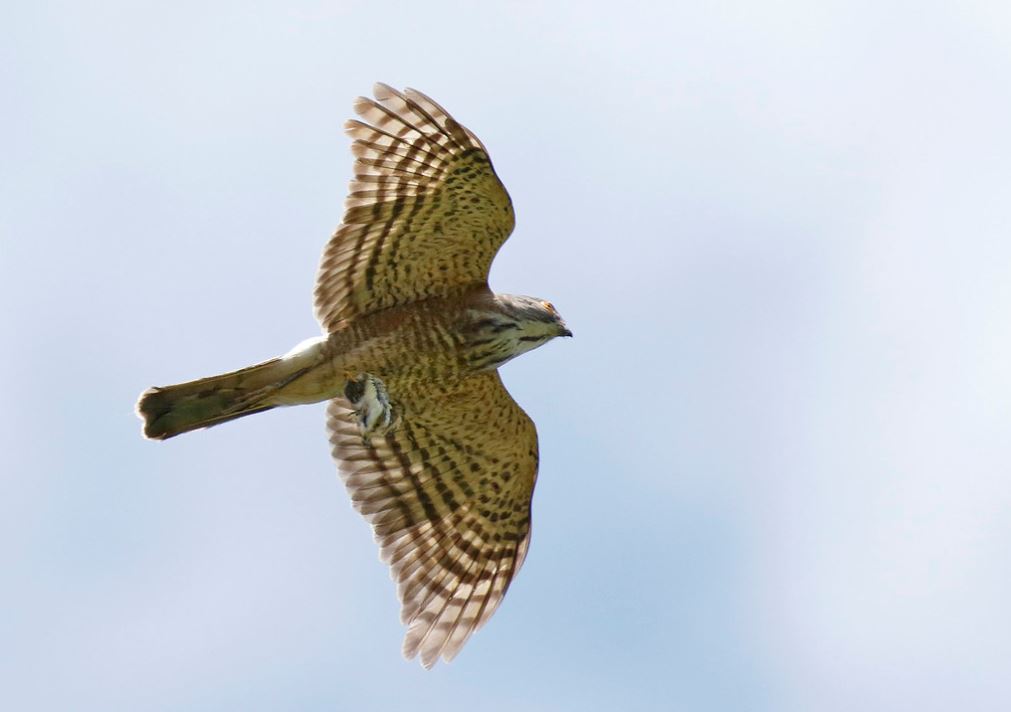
[[775, 458]]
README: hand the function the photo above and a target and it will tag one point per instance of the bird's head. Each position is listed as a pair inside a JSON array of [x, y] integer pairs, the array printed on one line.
[[514, 326], [536, 316], [537, 320]]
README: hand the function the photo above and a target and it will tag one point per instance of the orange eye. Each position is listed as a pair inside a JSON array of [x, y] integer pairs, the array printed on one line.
[[550, 307]]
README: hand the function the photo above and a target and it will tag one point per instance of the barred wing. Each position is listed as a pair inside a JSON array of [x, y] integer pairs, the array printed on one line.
[[425, 214], [448, 495]]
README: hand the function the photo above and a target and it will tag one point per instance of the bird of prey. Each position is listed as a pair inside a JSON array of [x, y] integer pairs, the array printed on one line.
[[433, 450]]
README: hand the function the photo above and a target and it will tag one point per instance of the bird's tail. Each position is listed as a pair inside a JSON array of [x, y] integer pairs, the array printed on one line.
[[171, 410]]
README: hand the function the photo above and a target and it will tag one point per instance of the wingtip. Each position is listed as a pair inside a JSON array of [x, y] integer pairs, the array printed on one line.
[[381, 90], [416, 94]]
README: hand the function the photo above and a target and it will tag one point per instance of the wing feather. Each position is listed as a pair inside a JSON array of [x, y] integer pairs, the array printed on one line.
[[425, 212], [448, 495]]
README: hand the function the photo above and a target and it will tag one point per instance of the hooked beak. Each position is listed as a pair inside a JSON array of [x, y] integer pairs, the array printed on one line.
[[565, 332]]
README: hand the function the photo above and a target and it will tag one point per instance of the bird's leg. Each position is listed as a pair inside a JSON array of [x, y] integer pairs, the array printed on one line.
[[373, 410]]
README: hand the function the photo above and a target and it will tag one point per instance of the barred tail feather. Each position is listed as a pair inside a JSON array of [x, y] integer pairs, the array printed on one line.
[[172, 410]]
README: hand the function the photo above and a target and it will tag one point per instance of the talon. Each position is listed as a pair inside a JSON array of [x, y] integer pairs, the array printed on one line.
[[372, 407]]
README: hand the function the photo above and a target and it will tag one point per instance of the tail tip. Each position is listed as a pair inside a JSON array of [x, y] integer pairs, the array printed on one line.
[[148, 411]]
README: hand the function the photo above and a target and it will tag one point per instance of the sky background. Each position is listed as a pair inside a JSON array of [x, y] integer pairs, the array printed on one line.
[[775, 458]]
